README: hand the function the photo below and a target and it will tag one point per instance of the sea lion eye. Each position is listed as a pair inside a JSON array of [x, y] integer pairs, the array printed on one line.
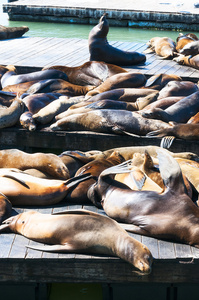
[[23, 222]]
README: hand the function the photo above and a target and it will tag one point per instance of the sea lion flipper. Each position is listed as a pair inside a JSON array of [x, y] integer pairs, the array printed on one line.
[[22, 182], [167, 141], [76, 212], [53, 248], [138, 178], [152, 79], [133, 228]]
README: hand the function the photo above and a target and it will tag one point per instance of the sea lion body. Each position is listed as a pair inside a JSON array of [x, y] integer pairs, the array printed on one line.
[[122, 80], [9, 116], [194, 119], [101, 50], [159, 81], [81, 231], [170, 215], [183, 40], [188, 61], [109, 121], [12, 32], [190, 49], [162, 46], [90, 73], [5, 208], [178, 88], [163, 103]]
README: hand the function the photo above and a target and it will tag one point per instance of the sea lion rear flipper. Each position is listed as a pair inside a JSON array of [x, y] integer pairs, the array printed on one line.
[[167, 141]]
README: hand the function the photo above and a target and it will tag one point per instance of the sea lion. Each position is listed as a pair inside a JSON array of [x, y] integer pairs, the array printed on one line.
[[179, 112], [10, 77], [4, 69], [109, 121], [80, 231], [188, 61], [123, 80], [194, 119], [184, 39], [159, 81], [178, 88], [9, 116], [90, 73], [171, 215], [12, 32], [45, 162], [46, 114], [59, 86], [94, 167], [19, 88], [190, 49], [163, 103], [5, 208], [101, 50], [162, 46], [24, 189]]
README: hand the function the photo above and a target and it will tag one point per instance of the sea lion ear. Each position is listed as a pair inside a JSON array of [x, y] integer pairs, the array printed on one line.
[[170, 171]]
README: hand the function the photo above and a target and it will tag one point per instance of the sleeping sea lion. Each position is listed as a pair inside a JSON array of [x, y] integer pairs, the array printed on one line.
[[80, 231], [190, 49], [178, 88], [101, 50], [5, 208], [188, 61], [162, 46], [12, 32], [171, 215], [184, 39], [90, 73], [159, 81], [9, 116], [163, 103]]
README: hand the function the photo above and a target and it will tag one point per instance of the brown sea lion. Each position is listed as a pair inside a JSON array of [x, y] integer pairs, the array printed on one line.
[[188, 61], [5, 208], [178, 88], [24, 189], [122, 80], [10, 77], [179, 112], [45, 162], [190, 49], [19, 88], [90, 73], [163, 103], [194, 119], [59, 86], [94, 167], [109, 121], [184, 39], [162, 46], [9, 116], [12, 32], [171, 215], [101, 50], [80, 231], [159, 81]]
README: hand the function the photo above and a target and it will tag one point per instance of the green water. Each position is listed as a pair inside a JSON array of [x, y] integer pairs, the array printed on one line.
[[61, 30]]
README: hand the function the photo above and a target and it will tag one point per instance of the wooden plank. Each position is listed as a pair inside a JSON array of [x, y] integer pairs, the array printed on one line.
[[166, 250]]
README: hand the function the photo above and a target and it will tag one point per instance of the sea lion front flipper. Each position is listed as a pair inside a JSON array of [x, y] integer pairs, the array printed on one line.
[[138, 178], [76, 212], [22, 182], [133, 228], [152, 79], [53, 248], [167, 141]]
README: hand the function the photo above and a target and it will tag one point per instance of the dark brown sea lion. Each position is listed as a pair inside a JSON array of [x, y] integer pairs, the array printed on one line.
[[12, 32], [159, 81], [5, 208], [171, 215], [188, 61], [178, 88], [90, 73], [24, 189], [6, 98], [163, 103], [123, 80], [33, 103], [59, 86], [181, 131], [184, 39], [109, 121], [45, 162], [162, 46], [101, 50], [10, 78], [80, 231], [179, 112], [94, 167], [190, 49]]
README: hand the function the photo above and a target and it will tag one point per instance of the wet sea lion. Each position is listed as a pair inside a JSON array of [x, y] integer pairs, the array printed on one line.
[[123, 80], [80, 231], [5, 208], [159, 81], [9, 116], [188, 61], [45, 162], [24, 189], [162, 46], [178, 88], [101, 50], [12, 32], [90, 73], [10, 78], [179, 112], [109, 121], [171, 215]]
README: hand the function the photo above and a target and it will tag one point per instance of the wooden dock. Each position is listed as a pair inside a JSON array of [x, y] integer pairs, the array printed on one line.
[[176, 266]]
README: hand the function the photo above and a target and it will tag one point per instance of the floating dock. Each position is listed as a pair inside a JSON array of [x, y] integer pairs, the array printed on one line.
[[149, 14]]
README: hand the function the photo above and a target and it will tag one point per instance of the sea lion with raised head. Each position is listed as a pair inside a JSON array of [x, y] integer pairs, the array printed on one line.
[[80, 231], [101, 50], [171, 215], [90, 73]]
